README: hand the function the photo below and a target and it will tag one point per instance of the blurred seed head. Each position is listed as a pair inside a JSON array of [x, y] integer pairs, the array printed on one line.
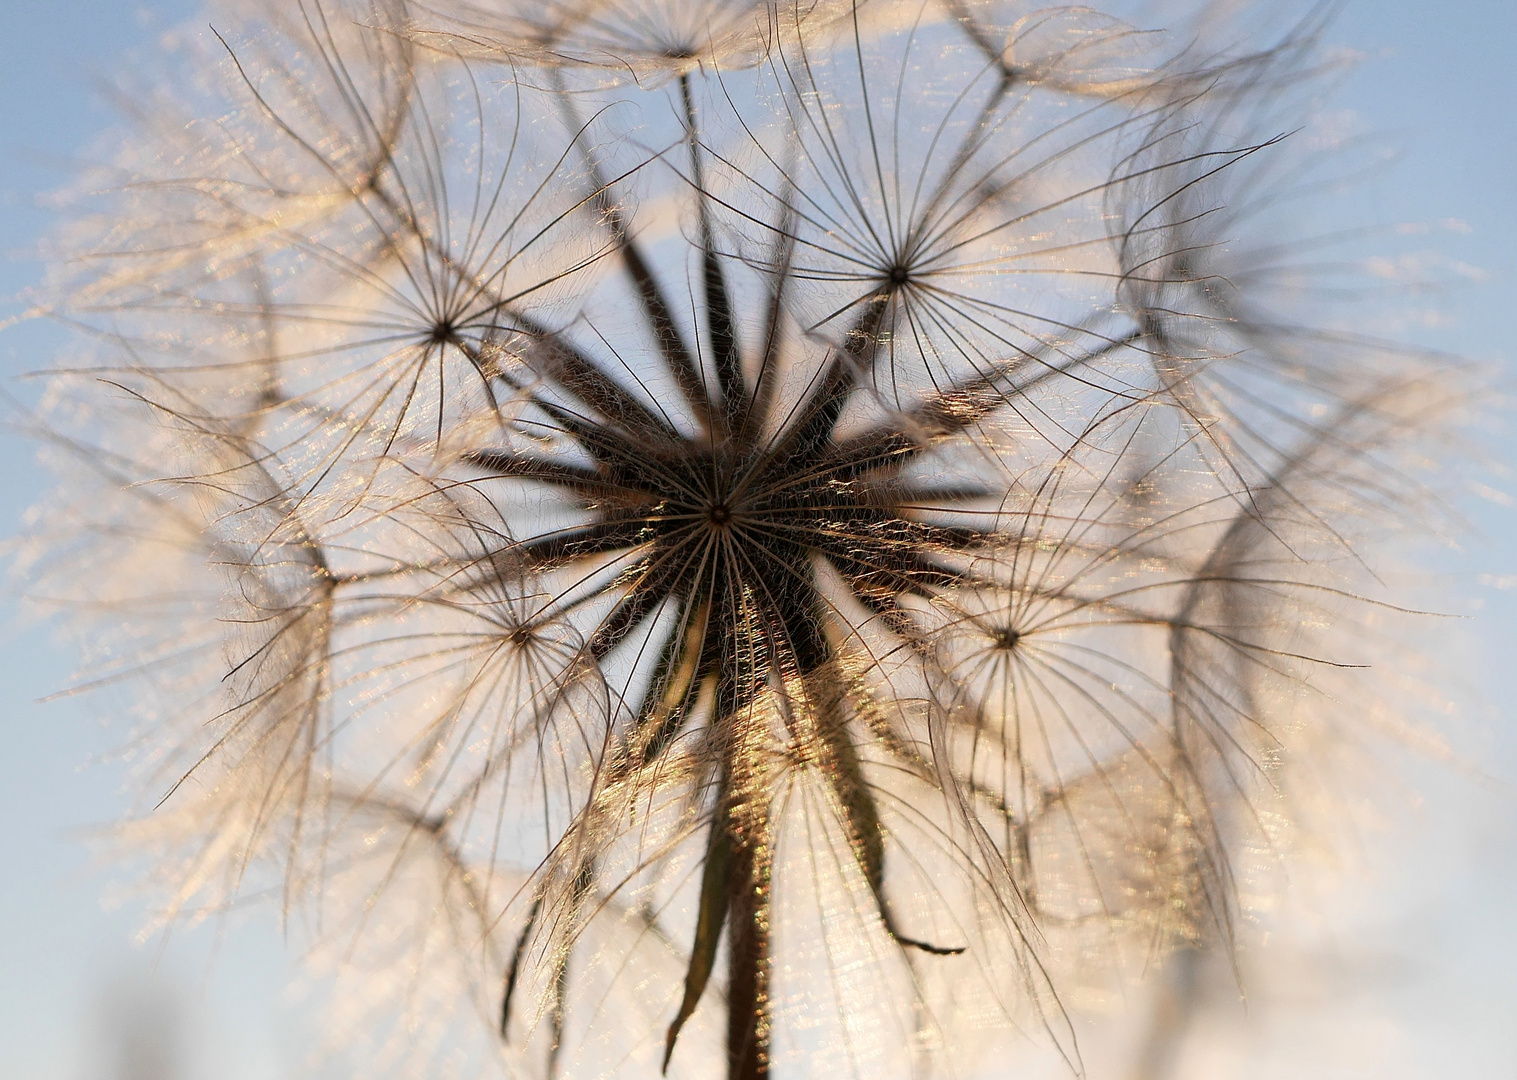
[[673, 533]]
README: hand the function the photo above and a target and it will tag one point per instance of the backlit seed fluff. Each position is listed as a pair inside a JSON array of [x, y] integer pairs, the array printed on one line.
[[717, 536]]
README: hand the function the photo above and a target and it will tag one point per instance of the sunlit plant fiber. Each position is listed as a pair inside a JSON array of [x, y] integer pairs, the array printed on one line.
[[691, 524]]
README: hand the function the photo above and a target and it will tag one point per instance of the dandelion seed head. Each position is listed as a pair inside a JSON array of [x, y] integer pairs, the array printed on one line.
[[711, 532]]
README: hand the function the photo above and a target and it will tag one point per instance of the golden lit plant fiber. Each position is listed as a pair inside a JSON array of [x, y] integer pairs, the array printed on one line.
[[688, 531]]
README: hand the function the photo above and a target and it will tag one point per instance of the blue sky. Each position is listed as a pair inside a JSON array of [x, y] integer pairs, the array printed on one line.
[[1437, 79]]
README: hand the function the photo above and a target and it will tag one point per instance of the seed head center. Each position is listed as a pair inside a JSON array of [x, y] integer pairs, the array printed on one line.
[[719, 514]]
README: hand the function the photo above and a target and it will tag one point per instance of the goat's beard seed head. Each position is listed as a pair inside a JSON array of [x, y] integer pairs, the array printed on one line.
[[769, 516]]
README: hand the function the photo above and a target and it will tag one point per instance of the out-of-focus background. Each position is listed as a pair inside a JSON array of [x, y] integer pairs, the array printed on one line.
[[1406, 967]]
